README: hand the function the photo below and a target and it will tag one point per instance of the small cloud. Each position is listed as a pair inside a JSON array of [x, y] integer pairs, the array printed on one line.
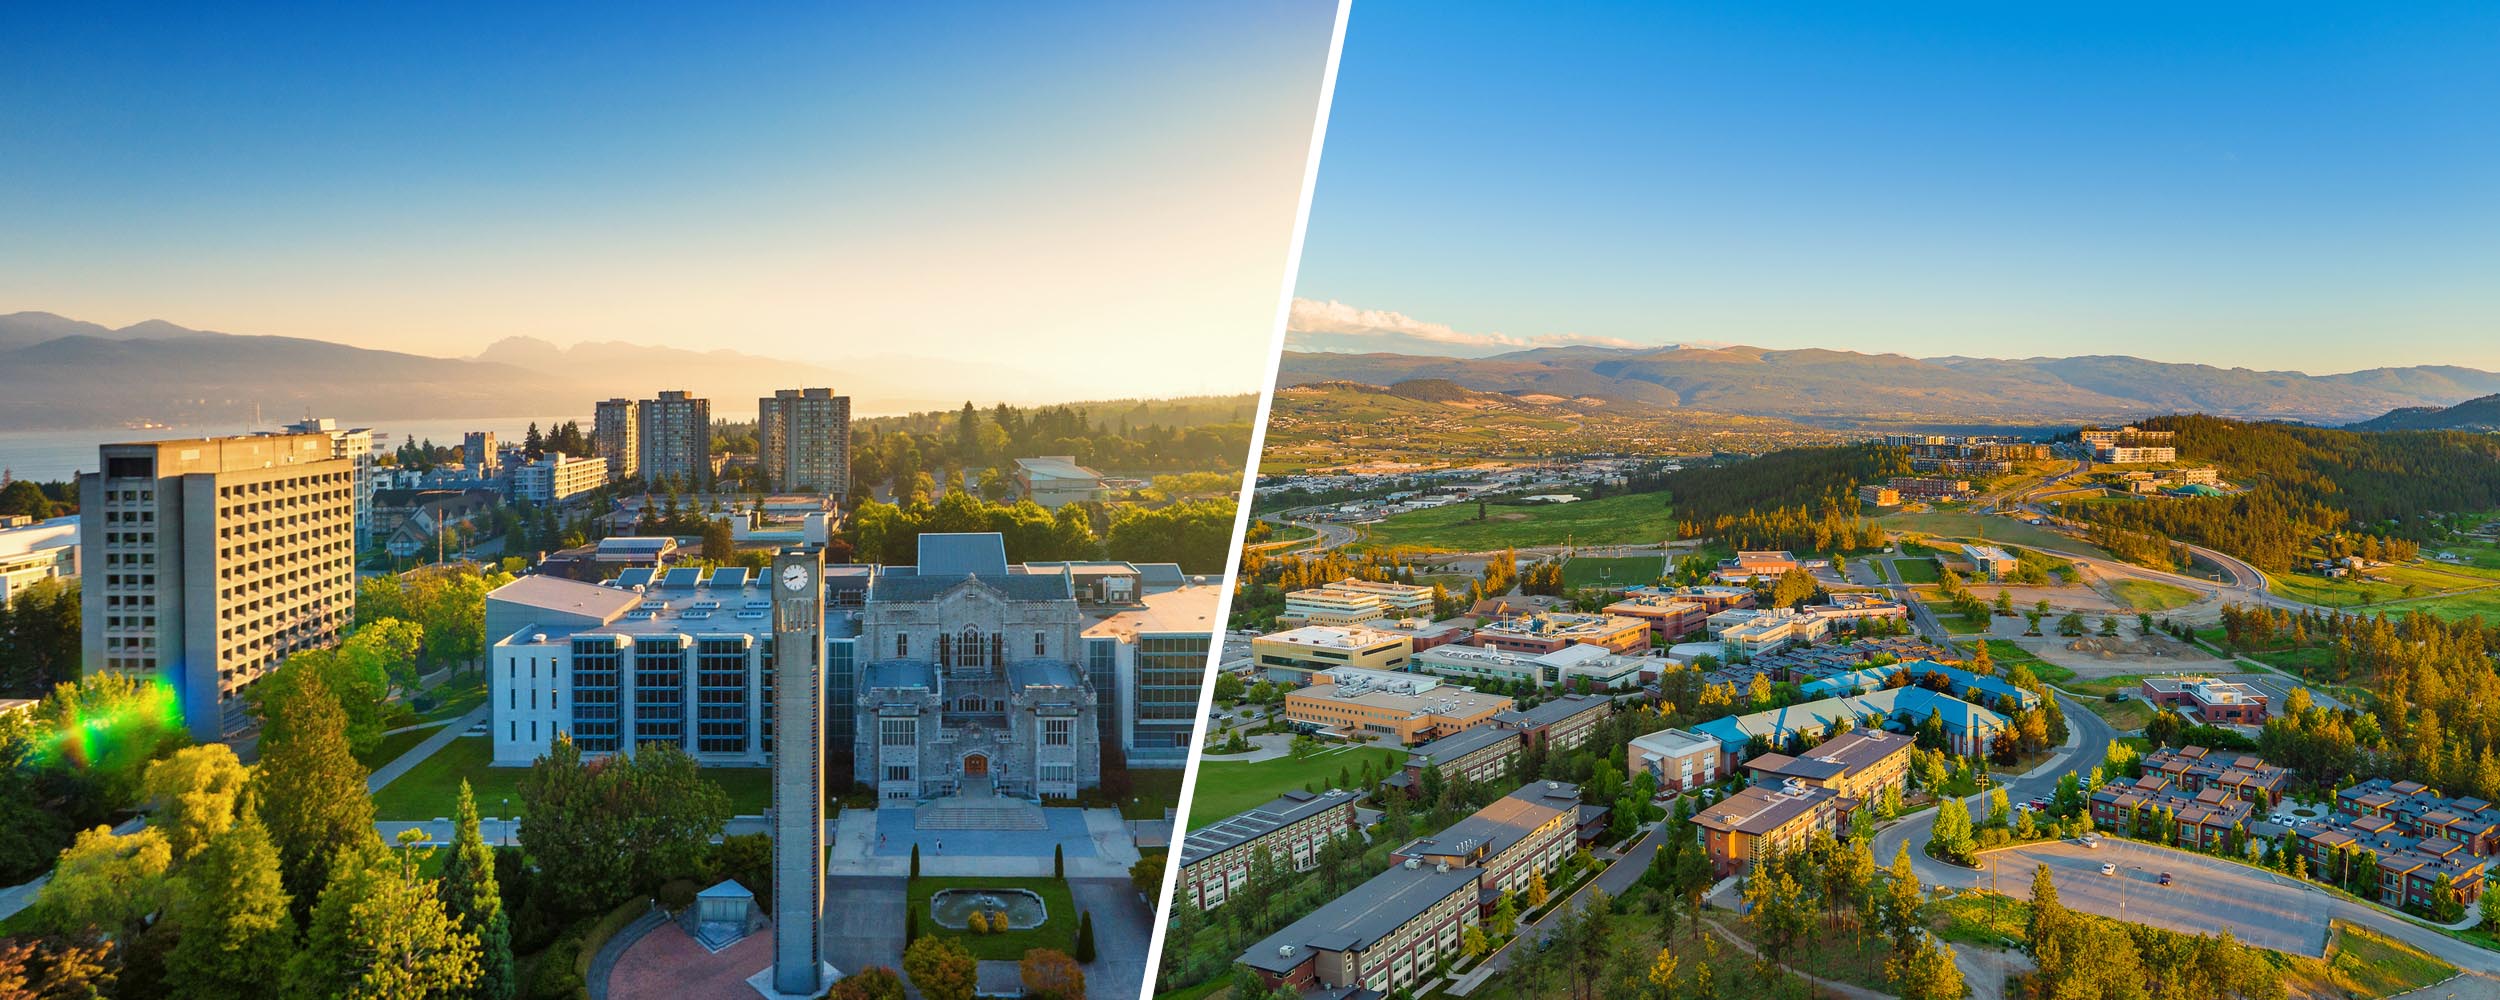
[[1332, 325]]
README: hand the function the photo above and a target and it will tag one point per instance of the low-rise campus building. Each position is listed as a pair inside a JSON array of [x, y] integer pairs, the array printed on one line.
[[1979, 689], [1779, 818], [1968, 728], [1680, 760], [1668, 615], [1989, 562], [1713, 598], [1411, 707], [1391, 931], [1859, 764], [1292, 656], [1598, 666], [2419, 810], [2209, 700], [1291, 830], [1767, 630], [1545, 633]]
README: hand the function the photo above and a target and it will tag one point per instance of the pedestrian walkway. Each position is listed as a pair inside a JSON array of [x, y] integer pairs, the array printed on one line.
[[416, 755]]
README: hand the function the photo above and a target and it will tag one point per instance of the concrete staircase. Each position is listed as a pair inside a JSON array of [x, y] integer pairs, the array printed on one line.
[[977, 806]]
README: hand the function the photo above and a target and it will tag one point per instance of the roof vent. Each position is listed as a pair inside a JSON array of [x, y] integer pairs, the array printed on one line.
[[1284, 951], [1443, 868], [538, 637], [1413, 864]]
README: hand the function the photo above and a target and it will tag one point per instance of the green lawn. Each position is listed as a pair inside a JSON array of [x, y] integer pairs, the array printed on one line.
[[395, 744], [1058, 929], [1228, 787], [2418, 584], [2150, 595], [1584, 571], [1631, 519], [2483, 603], [2007, 530], [2124, 716], [432, 788], [2098, 686], [1958, 624], [1918, 570], [2366, 963], [454, 698], [2007, 653]]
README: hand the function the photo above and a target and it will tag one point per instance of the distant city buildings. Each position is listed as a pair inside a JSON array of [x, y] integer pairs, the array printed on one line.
[[2130, 445], [1055, 481], [355, 445], [557, 477], [616, 431], [32, 550], [803, 441], [670, 435], [477, 452], [206, 561], [1879, 496], [1929, 487]]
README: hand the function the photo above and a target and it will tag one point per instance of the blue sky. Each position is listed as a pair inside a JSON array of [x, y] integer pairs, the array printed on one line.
[[2270, 186], [1104, 195]]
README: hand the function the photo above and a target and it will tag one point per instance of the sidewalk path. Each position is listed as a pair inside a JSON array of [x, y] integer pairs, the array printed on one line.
[[416, 755]]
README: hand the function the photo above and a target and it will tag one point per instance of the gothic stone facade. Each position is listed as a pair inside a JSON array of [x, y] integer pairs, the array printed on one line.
[[971, 678]]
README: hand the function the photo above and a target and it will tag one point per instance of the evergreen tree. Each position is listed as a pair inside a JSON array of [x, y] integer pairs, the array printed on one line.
[[231, 907], [470, 893], [309, 790], [1085, 936], [380, 932]]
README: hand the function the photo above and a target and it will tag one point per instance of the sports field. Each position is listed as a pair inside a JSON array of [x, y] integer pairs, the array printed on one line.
[[1632, 519], [1627, 571]]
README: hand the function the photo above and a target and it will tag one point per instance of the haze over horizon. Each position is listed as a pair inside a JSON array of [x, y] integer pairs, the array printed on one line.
[[1338, 328], [2244, 186], [1102, 197]]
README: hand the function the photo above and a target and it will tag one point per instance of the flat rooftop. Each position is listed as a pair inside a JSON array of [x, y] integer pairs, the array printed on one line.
[[1250, 824], [1189, 609]]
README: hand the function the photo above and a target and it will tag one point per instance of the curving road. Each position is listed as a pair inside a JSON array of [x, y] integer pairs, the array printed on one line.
[[2087, 747]]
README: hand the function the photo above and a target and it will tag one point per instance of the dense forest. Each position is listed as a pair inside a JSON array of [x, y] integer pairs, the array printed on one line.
[[1137, 438], [2305, 483], [2434, 697], [1797, 498], [1193, 533]]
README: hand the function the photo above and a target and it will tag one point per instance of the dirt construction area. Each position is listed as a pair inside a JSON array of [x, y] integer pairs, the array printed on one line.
[[2095, 656]]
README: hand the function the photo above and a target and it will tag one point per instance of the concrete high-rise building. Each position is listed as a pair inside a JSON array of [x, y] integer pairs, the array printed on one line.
[[675, 434], [803, 441], [557, 477], [477, 451], [209, 560], [798, 820], [616, 430], [355, 445]]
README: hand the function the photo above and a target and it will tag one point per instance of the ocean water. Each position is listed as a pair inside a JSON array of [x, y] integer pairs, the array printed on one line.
[[49, 455]]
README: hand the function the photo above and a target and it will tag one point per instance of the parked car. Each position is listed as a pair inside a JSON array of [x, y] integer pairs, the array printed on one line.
[[2108, 869], [2092, 841], [2165, 878]]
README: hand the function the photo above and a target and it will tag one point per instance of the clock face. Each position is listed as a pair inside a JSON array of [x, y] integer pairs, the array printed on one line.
[[794, 579]]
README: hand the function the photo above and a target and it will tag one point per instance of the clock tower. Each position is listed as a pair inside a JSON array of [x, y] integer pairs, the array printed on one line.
[[798, 819]]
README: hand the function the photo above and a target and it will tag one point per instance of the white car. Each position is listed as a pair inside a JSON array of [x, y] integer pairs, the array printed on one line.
[[2109, 869]]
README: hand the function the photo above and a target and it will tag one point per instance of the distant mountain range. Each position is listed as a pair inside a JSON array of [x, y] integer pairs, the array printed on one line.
[[61, 373], [2481, 415], [1851, 390]]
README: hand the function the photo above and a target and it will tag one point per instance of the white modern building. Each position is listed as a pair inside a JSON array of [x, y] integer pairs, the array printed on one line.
[[1055, 481], [1600, 666], [32, 550], [557, 477]]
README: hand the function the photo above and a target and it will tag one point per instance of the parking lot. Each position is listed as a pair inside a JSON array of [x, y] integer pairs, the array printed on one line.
[[2206, 895]]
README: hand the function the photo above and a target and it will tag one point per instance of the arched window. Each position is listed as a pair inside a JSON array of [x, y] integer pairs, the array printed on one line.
[[970, 646]]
